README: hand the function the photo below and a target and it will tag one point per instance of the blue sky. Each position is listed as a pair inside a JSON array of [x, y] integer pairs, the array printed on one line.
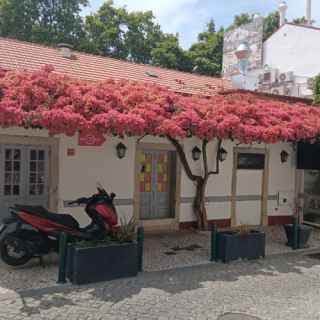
[[188, 17]]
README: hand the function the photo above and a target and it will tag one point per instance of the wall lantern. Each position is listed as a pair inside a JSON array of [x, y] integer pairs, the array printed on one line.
[[284, 155], [196, 153], [121, 150], [222, 154]]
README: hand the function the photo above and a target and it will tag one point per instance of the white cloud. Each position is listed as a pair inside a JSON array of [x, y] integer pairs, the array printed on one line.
[[171, 14], [186, 17]]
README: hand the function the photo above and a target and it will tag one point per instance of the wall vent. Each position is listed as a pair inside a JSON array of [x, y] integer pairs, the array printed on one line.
[[66, 50]]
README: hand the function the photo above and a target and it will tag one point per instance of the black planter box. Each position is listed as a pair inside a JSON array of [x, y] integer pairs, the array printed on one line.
[[304, 233], [102, 263], [232, 245]]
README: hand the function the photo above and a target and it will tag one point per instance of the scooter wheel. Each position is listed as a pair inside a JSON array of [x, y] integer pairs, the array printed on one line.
[[14, 251]]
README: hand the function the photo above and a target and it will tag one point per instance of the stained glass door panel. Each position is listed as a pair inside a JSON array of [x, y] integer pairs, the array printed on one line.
[[156, 183], [146, 184]]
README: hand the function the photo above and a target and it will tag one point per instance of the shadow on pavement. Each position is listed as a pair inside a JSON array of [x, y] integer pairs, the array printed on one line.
[[172, 281]]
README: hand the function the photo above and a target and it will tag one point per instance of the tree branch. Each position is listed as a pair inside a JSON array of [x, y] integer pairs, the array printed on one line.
[[140, 138], [205, 158], [183, 159], [217, 159]]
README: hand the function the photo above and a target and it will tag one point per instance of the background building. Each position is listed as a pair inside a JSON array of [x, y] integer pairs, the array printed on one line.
[[284, 64]]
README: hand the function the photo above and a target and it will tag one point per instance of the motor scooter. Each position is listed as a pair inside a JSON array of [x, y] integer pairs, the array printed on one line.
[[34, 231]]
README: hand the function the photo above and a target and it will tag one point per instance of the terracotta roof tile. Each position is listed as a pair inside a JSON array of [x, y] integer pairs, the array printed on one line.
[[24, 55]]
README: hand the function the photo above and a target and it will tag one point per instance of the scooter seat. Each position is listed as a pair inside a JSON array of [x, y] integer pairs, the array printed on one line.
[[61, 218]]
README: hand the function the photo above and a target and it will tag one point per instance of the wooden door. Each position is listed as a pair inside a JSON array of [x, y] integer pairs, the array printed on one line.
[[249, 187]]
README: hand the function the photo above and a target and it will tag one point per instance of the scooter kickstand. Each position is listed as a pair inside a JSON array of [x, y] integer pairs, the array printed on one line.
[[42, 264]]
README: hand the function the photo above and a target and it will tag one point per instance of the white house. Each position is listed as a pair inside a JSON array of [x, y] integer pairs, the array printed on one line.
[[51, 171], [294, 48], [284, 64]]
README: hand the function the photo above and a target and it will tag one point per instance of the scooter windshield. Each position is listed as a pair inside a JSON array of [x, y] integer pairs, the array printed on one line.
[[101, 189]]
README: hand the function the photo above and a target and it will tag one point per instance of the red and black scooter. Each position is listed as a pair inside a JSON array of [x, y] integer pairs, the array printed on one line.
[[35, 231]]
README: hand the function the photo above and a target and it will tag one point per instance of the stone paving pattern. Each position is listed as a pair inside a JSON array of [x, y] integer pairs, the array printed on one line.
[[282, 287]]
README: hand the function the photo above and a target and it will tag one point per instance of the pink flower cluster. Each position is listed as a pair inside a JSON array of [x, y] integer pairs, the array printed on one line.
[[124, 108]]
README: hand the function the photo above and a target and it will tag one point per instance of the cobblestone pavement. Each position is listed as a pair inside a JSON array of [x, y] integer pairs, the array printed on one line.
[[181, 249], [276, 288], [161, 252]]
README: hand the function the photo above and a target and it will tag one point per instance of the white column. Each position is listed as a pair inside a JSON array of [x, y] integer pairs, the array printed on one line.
[[308, 12]]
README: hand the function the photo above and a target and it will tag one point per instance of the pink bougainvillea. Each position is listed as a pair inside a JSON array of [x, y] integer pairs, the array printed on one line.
[[62, 105]]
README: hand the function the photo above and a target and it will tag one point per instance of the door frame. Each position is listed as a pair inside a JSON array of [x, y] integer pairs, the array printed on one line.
[[53, 161], [264, 187], [170, 223]]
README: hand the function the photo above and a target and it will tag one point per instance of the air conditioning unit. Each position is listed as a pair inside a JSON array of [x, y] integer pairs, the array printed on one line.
[[287, 91], [282, 91], [268, 77], [286, 77], [275, 91]]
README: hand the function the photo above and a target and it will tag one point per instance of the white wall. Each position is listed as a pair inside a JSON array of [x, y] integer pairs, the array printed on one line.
[[79, 174], [281, 180], [294, 48]]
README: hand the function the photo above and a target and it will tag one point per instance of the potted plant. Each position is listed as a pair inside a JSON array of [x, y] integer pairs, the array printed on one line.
[[242, 243], [112, 258], [304, 233]]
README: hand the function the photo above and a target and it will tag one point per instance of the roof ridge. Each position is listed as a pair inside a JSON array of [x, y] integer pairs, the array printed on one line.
[[303, 26], [40, 45]]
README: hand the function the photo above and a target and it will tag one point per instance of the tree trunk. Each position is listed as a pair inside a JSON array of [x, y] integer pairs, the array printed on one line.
[[199, 204]]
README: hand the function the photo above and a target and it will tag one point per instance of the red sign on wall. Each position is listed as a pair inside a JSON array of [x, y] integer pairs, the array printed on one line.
[[91, 140], [71, 152]]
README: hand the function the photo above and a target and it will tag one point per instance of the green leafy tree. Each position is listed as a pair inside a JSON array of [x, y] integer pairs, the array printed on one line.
[[17, 18], [105, 32], [240, 20], [316, 90], [206, 55], [169, 54], [271, 24], [142, 35], [42, 21], [118, 33], [302, 21]]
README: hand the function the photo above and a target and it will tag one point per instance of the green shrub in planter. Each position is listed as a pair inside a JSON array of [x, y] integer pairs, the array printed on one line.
[[94, 261], [233, 245], [304, 233]]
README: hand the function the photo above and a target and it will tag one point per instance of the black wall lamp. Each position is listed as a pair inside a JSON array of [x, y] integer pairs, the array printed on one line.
[[222, 154], [196, 153], [284, 155], [121, 150]]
